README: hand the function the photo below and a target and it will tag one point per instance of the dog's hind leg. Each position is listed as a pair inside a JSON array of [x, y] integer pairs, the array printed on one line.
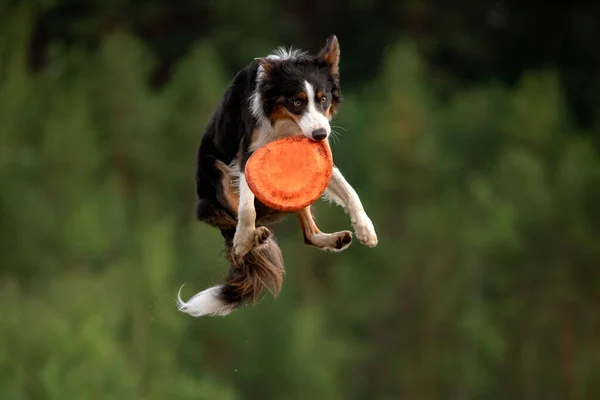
[[313, 236], [228, 195], [220, 212]]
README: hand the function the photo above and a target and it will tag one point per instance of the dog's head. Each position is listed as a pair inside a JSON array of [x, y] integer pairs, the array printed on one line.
[[300, 88]]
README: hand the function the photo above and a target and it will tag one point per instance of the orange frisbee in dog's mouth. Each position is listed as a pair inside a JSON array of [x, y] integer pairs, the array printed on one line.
[[291, 173]]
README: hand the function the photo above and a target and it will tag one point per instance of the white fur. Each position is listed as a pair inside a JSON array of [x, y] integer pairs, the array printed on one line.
[[327, 241], [243, 240], [340, 192], [284, 54], [246, 211], [312, 119], [256, 106], [206, 302]]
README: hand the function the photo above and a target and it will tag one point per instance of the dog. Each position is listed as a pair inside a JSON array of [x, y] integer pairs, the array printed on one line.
[[287, 93]]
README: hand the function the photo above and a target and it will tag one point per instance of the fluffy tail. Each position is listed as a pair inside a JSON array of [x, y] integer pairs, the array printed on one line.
[[261, 268]]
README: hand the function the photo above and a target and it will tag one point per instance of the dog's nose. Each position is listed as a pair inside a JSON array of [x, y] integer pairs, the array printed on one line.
[[319, 134]]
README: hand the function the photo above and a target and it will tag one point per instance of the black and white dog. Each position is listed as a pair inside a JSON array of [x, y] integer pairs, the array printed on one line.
[[284, 94]]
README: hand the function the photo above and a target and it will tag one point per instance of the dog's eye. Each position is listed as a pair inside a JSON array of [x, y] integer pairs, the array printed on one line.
[[323, 99], [297, 103]]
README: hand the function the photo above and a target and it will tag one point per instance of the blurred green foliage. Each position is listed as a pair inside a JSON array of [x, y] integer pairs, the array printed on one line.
[[484, 283]]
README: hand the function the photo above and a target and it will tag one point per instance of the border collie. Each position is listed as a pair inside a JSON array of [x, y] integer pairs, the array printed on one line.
[[287, 93]]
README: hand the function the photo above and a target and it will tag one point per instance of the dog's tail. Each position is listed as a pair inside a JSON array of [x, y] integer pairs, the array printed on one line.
[[261, 268]]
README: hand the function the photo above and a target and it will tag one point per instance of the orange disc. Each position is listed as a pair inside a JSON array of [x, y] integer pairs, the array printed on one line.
[[291, 173]]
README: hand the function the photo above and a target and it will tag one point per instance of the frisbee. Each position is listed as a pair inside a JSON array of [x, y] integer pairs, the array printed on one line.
[[291, 173]]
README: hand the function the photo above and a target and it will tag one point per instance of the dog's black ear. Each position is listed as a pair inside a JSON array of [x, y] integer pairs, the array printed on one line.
[[266, 63], [330, 54]]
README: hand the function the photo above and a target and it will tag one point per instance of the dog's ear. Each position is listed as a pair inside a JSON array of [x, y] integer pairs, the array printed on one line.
[[266, 63], [330, 54]]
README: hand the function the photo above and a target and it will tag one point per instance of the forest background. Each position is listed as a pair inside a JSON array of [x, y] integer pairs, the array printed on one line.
[[470, 132]]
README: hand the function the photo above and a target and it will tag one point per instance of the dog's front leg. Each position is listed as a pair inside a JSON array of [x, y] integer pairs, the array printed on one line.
[[340, 191], [246, 234]]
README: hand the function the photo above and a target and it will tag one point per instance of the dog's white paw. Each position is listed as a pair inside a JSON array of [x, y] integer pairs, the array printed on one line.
[[261, 235], [243, 240], [365, 231], [337, 241]]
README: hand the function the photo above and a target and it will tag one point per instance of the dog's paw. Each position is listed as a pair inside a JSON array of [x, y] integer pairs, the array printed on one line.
[[243, 241], [261, 235], [344, 238], [337, 241], [365, 231]]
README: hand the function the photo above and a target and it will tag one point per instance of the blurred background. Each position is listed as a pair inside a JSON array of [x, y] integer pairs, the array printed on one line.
[[470, 131]]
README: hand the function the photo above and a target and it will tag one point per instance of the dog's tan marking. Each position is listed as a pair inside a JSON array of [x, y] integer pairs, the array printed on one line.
[[230, 192], [313, 236], [329, 112], [283, 113], [302, 95]]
